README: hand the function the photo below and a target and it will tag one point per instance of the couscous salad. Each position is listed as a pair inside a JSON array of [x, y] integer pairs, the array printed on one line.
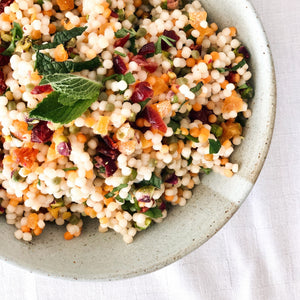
[[112, 110]]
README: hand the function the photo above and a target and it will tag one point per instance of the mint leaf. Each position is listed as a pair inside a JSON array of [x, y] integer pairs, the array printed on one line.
[[206, 170], [191, 138], [114, 190], [197, 88], [214, 146], [51, 110], [46, 65], [17, 34], [61, 38], [153, 213], [233, 69], [154, 181], [123, 32], [129, 78], [64, 36], [67, 100], [73, 86]]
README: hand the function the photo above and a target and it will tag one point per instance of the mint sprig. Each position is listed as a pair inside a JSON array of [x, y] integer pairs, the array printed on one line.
[[72, 96]]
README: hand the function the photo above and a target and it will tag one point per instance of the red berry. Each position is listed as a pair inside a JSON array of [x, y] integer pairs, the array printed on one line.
[[40, 89], [141, 92]]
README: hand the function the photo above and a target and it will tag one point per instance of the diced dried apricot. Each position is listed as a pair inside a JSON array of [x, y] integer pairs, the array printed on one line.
[[164, 108], [60, 54], [230, 129], [196, 18], [21, 128], [65, 4], [232, 103], [32, 220], [25, 156], [102, 125], [128, 147]]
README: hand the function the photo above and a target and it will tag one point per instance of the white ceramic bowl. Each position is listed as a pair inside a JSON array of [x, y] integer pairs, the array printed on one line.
[[96, 256]]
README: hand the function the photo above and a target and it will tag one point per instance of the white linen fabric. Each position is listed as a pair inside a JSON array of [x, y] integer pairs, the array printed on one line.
[[257, 254]]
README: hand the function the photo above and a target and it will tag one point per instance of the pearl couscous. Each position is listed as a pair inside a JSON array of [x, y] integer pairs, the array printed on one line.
[[111, 110]]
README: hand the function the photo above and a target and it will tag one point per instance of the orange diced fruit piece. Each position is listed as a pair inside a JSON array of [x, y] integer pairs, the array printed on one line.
[[230, 129], [196, 18], [232, 103], [60, 54], [32, 220], [65, 4], [164, 108], [102, 125], [128, 147]]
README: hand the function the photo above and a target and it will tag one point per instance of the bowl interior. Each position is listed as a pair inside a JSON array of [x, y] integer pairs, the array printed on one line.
[[106, 256]]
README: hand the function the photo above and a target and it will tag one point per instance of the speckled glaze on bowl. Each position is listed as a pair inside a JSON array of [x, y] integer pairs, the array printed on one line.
[[96, 256]]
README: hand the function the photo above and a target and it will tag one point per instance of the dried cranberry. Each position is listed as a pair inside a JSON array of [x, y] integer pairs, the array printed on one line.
[[108, 148], [162, 206], [113, 14], [119, 65], [201, 115], [5, 3], [197, 47], [154, 118], [173, 179], [41, 133], [147, 49], [141, 92], [2, 210], [243, 50], [40, 89], [3, 86], [4, 59], [106, 162], [150, 66], [172, 35], [230, 77], [122, 41]]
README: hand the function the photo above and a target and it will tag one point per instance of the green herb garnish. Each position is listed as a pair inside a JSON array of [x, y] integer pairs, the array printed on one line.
[[166, 39], [70, 169], [114, 190], [17, 35], [50, 109], [191, 138], [197, 88], [123, 32], [62, 37], [206, 170], [153, 213], [46, 65], [144, 103], [214, 146], [235, 68], [216, 130], [120, 53], [154, 181]]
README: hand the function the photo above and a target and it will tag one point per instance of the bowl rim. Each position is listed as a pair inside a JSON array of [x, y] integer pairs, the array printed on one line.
[[271, 77]]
